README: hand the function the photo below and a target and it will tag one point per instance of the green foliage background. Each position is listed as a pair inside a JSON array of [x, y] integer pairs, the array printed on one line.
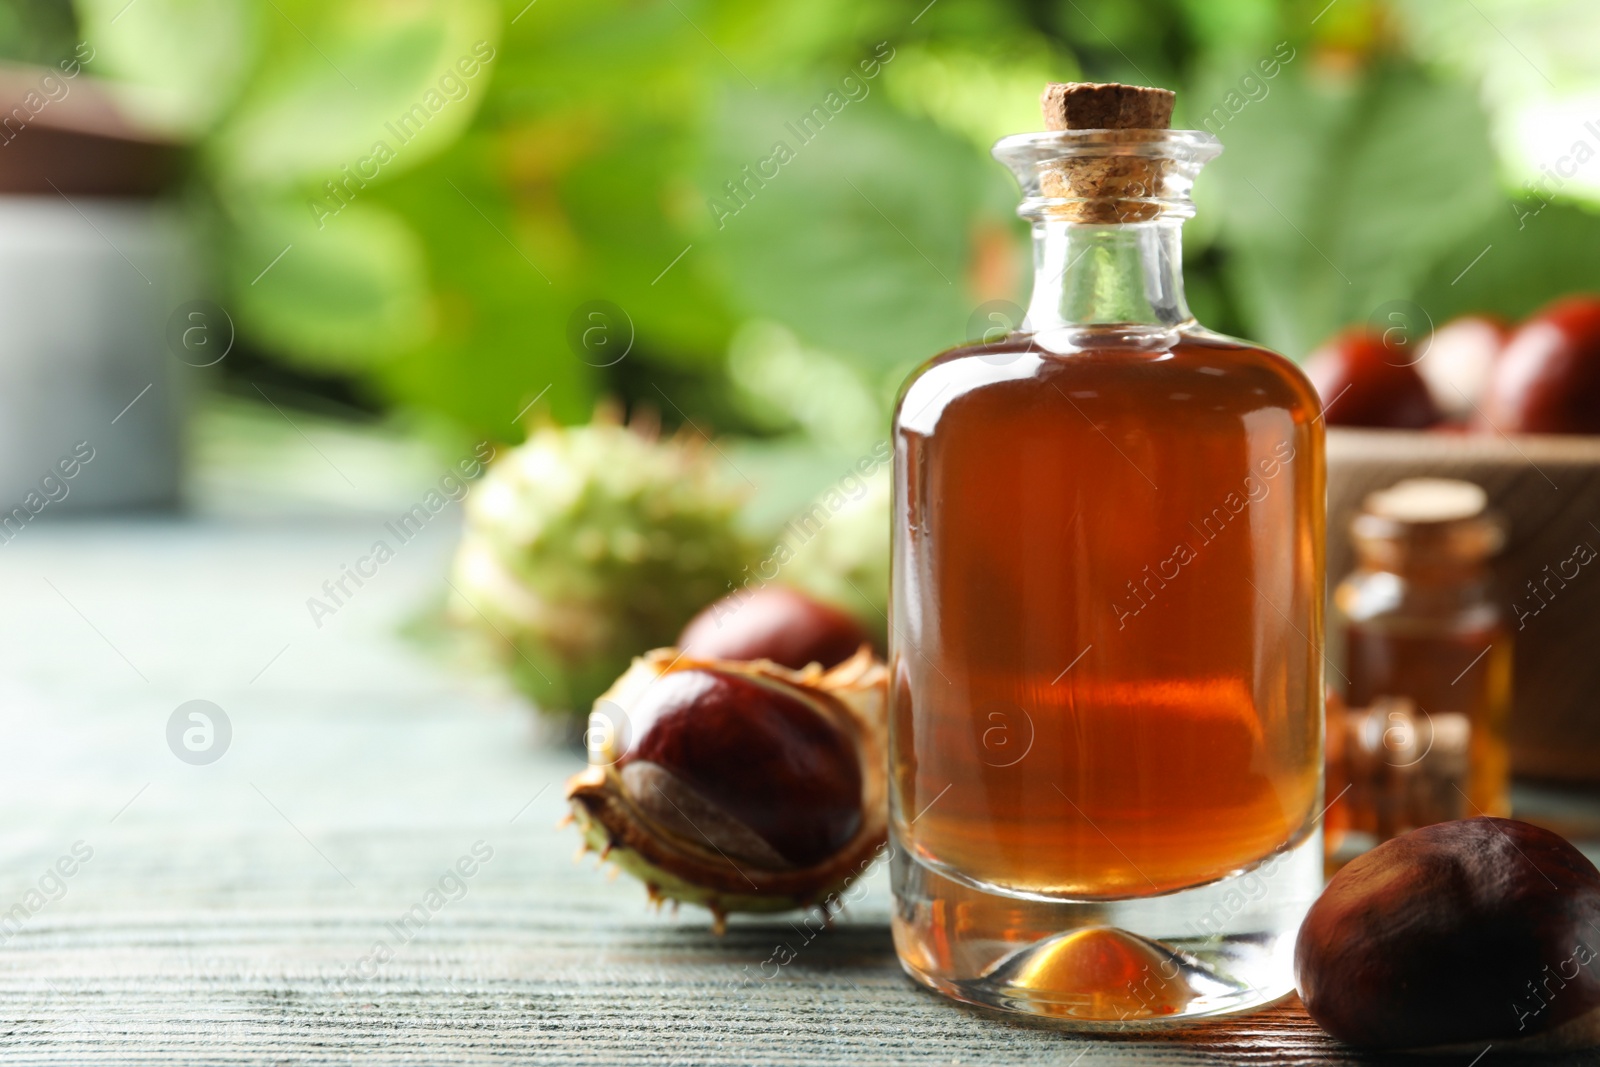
[[585, 158]]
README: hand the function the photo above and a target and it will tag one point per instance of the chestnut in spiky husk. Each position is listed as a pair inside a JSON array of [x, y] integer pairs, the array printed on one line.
[[1455, 936], [775, 623], [742, 787]]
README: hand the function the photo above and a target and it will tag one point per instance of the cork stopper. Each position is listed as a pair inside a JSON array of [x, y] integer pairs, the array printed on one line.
[[1105, 106], [1106, 188], [1427, 524], [1428, 500]]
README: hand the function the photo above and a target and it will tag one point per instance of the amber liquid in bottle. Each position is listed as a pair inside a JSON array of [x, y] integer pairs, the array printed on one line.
[[1466, 673], [1103, 694]]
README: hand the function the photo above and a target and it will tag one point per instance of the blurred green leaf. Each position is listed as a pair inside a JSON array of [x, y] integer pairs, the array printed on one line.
[[1240, 27], [190, 58], [983, 92], [354, 75], [1525, 256], [501, 336], [344, 297], [636, 256], [1337, 203], [859, 242]]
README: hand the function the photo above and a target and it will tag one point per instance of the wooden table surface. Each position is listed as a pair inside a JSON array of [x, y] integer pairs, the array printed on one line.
[[251, 910]]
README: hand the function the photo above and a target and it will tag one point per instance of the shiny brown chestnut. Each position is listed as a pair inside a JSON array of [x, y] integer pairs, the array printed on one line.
[[1548, 378], [740, 786], [774, 623], [760, 754], [1459, 358], [1456, 936], [1364, 380]]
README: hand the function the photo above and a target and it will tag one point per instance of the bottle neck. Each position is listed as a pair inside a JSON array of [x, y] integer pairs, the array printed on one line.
[[1129, 274]]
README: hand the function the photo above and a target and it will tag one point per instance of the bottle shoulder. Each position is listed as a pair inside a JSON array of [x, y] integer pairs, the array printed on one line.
[[1192, 369]]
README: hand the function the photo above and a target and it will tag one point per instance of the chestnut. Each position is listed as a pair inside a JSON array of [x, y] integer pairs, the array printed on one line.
[[1459, 358], [1548, 378], [1457, 935], [1366, 381], [739, 786], [774, 623], [755, 752]]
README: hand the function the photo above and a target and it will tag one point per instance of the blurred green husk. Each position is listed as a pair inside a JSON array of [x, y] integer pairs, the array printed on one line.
[[586, 546]]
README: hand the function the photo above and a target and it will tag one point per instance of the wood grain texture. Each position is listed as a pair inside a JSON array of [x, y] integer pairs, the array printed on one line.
[[226, 910]]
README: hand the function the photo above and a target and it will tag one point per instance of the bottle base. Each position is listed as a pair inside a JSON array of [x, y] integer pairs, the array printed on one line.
[[1131, 964]]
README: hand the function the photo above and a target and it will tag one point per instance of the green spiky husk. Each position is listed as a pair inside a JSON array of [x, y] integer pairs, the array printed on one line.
[[584, 545]]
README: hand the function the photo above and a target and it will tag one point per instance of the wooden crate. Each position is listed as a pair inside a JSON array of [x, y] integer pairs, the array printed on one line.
[[1548, 489]]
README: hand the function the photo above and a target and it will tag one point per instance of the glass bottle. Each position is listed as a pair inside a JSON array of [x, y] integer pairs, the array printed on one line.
[[1106, 639], [1427, 673]]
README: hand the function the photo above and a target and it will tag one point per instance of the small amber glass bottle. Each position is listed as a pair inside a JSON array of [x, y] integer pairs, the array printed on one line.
[[1106, 641], [1427, 672]]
